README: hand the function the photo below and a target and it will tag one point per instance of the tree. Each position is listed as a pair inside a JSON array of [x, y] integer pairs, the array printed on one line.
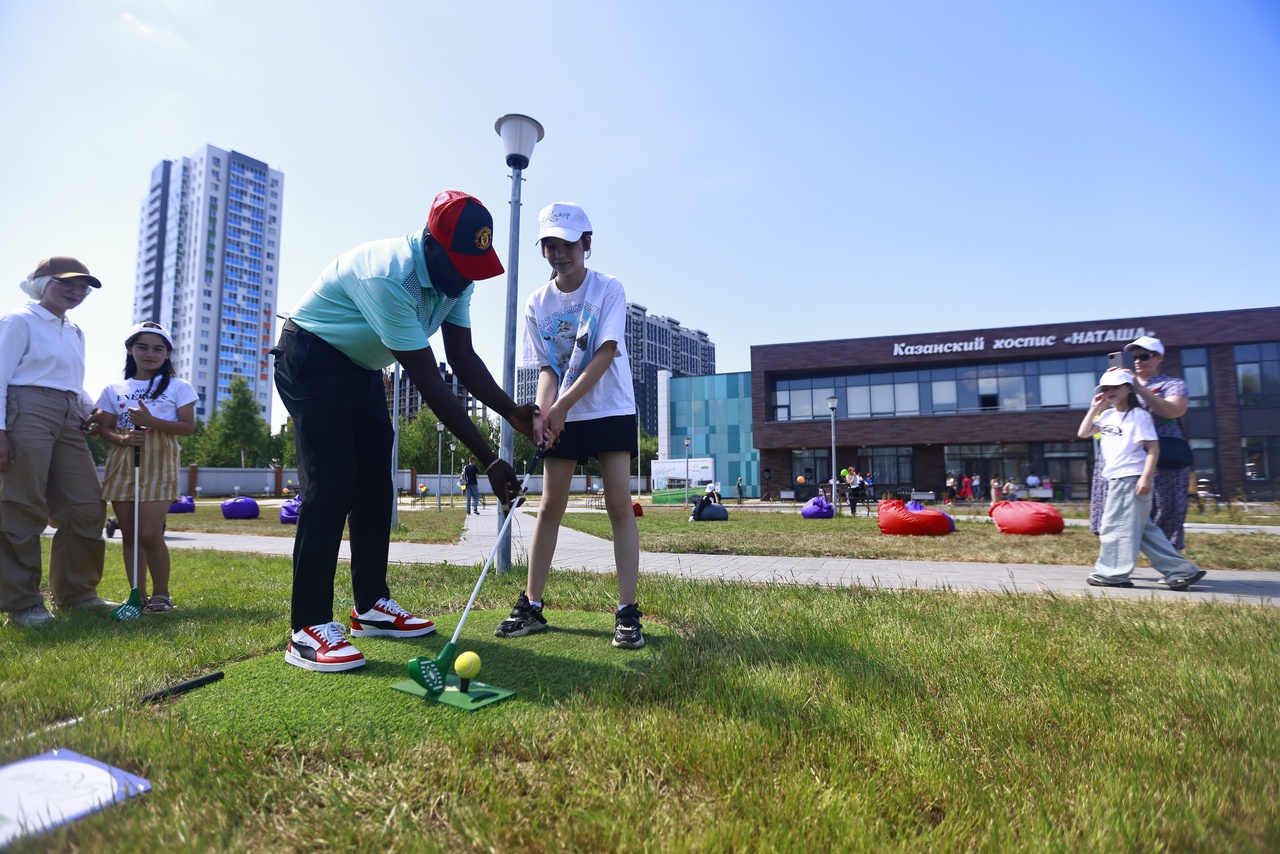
[[235, 435], [284, 449]]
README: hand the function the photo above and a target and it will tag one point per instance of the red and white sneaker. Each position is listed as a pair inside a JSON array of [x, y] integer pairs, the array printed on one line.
[[322, 647], [387, 618]]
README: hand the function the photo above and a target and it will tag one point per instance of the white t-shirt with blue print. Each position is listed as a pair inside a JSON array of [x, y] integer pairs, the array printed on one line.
[[563, 331]]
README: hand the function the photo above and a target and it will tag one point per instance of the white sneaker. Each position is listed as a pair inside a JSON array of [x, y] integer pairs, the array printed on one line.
[[322, 647], [36, 615], [387, 618]]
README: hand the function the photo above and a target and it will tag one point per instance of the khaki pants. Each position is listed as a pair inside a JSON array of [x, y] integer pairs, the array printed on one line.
[[52, 480]]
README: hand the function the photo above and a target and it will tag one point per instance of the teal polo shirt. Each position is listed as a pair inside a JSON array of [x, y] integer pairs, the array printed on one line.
[[378, 298]]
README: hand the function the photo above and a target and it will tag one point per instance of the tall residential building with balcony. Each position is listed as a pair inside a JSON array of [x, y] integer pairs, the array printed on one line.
[[654, 343], [208, 269]]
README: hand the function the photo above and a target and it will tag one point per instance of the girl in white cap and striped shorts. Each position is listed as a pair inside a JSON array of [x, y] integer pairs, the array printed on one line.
[[149, 409]]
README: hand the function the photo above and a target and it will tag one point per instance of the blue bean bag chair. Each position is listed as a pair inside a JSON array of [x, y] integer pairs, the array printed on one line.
[[897, 518], [289, 511], [240, 507], [706, 510], [818, 507], [1026, 517], [185, 504]]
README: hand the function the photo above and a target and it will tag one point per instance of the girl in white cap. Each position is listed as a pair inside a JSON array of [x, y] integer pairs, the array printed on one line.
[[575, 333], [148, 409], [1131, 451]]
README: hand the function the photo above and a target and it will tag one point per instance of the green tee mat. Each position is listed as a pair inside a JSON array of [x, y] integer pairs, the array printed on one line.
[[477, 696]]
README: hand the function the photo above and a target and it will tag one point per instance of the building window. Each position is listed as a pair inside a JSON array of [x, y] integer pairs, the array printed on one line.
[[1258, 374], [1008, 387], [1261, 463], [1195, 371]]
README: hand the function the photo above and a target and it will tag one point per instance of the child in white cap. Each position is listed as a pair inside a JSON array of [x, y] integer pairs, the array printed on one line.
[[1131, 451], [149, 409], [575, 334]]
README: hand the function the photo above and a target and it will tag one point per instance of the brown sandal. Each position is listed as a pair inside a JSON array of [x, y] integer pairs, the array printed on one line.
[[159, 605]]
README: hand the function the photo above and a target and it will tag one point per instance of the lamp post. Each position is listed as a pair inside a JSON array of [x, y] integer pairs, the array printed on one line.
[[453, 479], [395, 447], [439, 454], [519, 135], [832, 402], [687, 443]]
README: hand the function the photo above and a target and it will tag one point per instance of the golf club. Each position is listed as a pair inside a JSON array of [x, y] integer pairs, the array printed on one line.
[[132, 609], [430, 673], [145, 699]]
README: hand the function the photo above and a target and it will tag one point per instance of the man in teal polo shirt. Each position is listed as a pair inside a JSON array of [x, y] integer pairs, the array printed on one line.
[[376, 304]]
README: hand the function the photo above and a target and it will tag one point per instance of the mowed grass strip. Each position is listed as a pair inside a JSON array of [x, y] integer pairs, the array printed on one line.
[[758, 718], [787, 534], [417, 524]]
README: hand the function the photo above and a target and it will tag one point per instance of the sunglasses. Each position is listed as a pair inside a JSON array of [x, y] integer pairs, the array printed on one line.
[[1142, 357]]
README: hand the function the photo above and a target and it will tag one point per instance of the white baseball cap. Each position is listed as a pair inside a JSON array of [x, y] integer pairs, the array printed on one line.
[[564, 220], [1111, 379], [147, 326], [1146, 342]]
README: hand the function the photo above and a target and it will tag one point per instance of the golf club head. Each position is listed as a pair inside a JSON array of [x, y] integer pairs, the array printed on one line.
[[430, 672], [127, 611], [424, 672]]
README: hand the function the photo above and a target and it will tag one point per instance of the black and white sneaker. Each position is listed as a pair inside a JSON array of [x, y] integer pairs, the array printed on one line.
[[1104, 581], [627, 633], [1185, 583], [525, 618]]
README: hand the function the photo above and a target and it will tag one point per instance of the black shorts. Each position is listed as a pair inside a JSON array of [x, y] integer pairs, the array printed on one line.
[[593, 437]]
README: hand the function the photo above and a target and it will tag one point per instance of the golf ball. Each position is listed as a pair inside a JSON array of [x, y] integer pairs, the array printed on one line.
[[467, 665]]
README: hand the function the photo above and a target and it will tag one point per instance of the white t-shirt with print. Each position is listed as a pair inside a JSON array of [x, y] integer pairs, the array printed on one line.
[[122, 395], [1122, 435], [563, 331]]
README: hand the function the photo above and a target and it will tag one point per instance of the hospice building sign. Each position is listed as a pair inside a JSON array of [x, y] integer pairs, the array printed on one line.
[[1099, 335]]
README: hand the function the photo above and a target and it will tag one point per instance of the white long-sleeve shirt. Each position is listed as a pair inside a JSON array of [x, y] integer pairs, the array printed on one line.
[[38, 348]]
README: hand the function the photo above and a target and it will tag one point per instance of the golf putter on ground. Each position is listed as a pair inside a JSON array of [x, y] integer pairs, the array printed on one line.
[[132, 609], [429, 673]]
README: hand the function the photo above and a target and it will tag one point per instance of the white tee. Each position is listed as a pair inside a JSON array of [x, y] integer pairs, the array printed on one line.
[[563, 331], [122, 395], [1122, 436]]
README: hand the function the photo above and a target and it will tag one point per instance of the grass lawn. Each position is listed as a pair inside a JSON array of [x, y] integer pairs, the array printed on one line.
[[771, 718], [789, 535], [422, 525]]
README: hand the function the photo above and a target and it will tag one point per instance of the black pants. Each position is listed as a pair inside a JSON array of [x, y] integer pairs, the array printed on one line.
[[343, 435]]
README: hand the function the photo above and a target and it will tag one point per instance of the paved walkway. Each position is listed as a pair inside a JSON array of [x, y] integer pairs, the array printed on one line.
[[576, 550]]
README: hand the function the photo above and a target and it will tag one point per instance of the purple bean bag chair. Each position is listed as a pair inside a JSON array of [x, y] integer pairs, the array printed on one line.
[[818, 507], [185, 504], [289, 511], [895, 517], [240, 507]]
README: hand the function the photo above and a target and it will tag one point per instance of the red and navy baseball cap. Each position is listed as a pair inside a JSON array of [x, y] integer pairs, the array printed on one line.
[[464, 227]]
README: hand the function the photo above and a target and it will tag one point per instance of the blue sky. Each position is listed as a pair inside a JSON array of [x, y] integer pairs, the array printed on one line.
[[763, 172]]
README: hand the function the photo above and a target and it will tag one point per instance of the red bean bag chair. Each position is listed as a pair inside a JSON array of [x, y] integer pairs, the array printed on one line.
[[636, 509], [818, 507], [1026, 517], [240, 507], [289, 511], [185, 504], [896, 518]]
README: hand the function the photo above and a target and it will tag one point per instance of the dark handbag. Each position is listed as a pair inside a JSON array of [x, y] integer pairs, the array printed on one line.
[[1175, 453]]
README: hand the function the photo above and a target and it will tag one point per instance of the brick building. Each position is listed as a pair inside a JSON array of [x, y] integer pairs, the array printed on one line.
[[1005, 402]]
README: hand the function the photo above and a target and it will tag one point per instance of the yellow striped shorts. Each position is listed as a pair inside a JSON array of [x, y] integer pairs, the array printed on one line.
[[159, 470]]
